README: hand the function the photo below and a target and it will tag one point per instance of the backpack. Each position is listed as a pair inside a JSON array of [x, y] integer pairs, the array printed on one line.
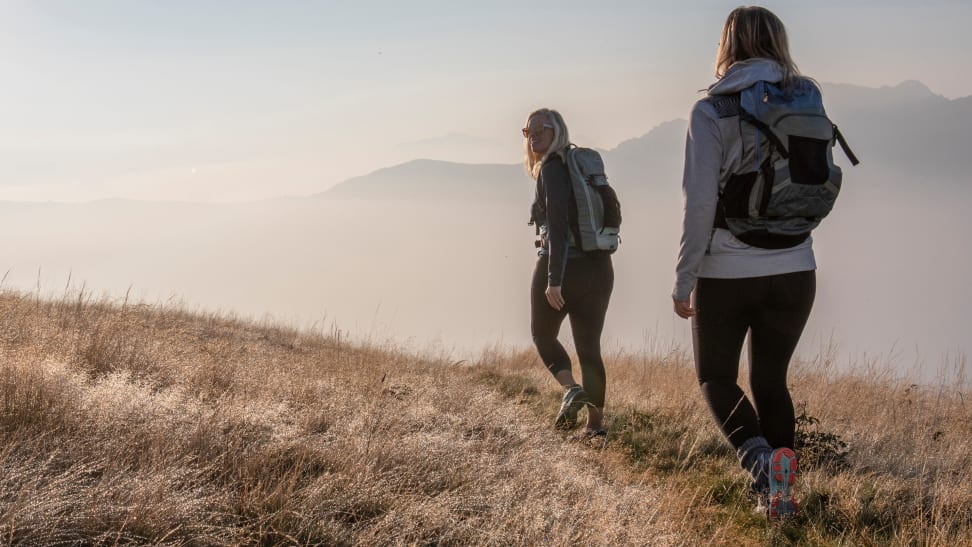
[[598, 208], [794, 182]]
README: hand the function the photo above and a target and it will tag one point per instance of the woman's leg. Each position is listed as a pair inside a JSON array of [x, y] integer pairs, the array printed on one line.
[[718, 332], [545, 326], [777, 326], [587, 291]]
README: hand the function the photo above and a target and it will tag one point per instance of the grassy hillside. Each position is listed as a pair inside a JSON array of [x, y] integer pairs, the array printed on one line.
[[148, 424]]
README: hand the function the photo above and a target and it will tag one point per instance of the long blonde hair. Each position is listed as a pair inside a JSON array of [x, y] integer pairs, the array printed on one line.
[[559, 145], [754, 31]]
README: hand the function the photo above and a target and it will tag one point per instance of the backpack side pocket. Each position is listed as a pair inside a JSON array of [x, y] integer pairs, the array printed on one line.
[[808, 160], [612, 206]]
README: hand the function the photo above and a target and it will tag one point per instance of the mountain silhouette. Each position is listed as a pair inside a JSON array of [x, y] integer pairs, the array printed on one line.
[[903, 133], [906, 131], [423, 179]]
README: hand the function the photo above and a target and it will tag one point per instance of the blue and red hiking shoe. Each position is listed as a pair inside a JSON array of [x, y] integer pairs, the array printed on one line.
[[782, 475]]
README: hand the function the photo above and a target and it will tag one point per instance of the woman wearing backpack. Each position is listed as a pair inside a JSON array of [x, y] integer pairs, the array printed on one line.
[[736, 288], [567, 282]]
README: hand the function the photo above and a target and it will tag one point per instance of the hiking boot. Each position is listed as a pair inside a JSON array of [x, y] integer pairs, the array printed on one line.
[[588, 434], [574, 399], [782, 475], [595, 438]]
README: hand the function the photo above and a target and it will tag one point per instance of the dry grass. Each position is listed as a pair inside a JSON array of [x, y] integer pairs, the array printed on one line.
[[135, 424]]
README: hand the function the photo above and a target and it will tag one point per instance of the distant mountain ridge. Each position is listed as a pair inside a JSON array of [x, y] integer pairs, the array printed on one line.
[[906, 129], [424, 178]]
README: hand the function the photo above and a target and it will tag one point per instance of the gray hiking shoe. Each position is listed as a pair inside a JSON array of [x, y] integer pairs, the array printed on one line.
[[574, 399]]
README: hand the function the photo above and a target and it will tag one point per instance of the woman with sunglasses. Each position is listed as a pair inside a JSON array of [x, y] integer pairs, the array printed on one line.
[[567, 282]]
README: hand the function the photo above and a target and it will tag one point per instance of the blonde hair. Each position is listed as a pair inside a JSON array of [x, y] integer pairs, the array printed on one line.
[[753, 31], [559, 145]]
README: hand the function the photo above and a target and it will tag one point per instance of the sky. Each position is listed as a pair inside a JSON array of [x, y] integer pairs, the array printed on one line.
[[222, 100]]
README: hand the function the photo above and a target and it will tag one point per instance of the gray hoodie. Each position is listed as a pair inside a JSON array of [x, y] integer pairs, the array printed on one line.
[[713, 152]]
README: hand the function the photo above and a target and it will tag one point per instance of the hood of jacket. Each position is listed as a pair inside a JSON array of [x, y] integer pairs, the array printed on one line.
[[743, 74]]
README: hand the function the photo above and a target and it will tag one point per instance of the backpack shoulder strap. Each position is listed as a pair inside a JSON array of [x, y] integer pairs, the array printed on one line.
[[766, 131]]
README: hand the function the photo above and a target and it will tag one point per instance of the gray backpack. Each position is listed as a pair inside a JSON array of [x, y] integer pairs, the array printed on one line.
[[598, 208], [792, 182]]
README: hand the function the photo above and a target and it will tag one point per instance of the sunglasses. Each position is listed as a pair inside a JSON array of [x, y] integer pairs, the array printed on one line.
[[527, 133]]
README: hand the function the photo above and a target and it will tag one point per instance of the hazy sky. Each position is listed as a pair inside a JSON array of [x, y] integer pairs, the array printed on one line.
[[233, 100]]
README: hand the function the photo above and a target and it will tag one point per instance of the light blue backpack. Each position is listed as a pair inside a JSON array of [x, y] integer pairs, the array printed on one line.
[[598, 207]]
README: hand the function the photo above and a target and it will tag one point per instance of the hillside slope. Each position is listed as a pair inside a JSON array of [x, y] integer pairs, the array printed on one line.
[[149, 424], [154, 425]]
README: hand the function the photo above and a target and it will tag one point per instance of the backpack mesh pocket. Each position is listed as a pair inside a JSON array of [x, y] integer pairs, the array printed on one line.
[[808, 160], [612, 206], [735, 196]]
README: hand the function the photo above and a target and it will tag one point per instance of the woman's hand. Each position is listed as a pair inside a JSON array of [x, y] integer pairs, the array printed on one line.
[[683, 308], [555, 298]]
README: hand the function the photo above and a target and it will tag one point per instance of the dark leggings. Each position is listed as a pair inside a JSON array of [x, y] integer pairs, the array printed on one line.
[[774, 310], [586, 289]]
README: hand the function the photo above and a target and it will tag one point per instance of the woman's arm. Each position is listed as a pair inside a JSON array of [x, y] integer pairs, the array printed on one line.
[[556, 187], [700, 188]]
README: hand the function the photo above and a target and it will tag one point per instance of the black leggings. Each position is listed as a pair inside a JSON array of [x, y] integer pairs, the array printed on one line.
[[774, 309], [586, 289]]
